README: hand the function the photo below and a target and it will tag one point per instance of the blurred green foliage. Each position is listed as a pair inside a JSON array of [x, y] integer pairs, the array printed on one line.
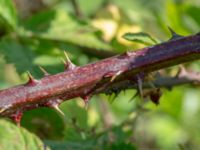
[[39, 37]]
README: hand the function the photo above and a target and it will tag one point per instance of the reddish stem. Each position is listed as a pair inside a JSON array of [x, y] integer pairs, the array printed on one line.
[[96, 77]]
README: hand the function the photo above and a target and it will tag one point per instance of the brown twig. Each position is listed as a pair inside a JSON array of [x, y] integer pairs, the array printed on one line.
[[95, 78]]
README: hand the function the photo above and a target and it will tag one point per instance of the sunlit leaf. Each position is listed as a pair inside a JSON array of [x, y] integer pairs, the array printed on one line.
[[8, 14], [18, 54], [65, 145], [60, 26], [15, 138]]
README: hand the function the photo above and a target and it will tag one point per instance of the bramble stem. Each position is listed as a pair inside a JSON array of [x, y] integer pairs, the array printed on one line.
[[95, 78]]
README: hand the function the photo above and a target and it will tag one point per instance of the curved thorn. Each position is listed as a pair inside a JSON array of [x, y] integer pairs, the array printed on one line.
[[68, 64], [54, 103], [30, 76], [114, 77], [171, 31], [67, 57], [134, 96], [31, 80], [115, 96], [65, 63], [44, 71], [2, 110], [174, 35], [58, 110]]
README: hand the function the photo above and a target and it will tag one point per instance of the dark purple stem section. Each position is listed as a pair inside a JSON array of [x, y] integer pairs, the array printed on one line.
[[97, 77]]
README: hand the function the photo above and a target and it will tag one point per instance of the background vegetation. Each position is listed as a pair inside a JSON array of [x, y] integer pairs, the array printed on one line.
[[36, 32]]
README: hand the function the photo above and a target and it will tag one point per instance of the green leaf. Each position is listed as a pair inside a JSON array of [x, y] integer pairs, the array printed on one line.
[[58, 25], [18, 54], [8, 14], [15, 138], [122, 146], [79, 118], [193, 12], [88, 7], [69, 145], [39, 122], [140, 37], [172, 99]]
